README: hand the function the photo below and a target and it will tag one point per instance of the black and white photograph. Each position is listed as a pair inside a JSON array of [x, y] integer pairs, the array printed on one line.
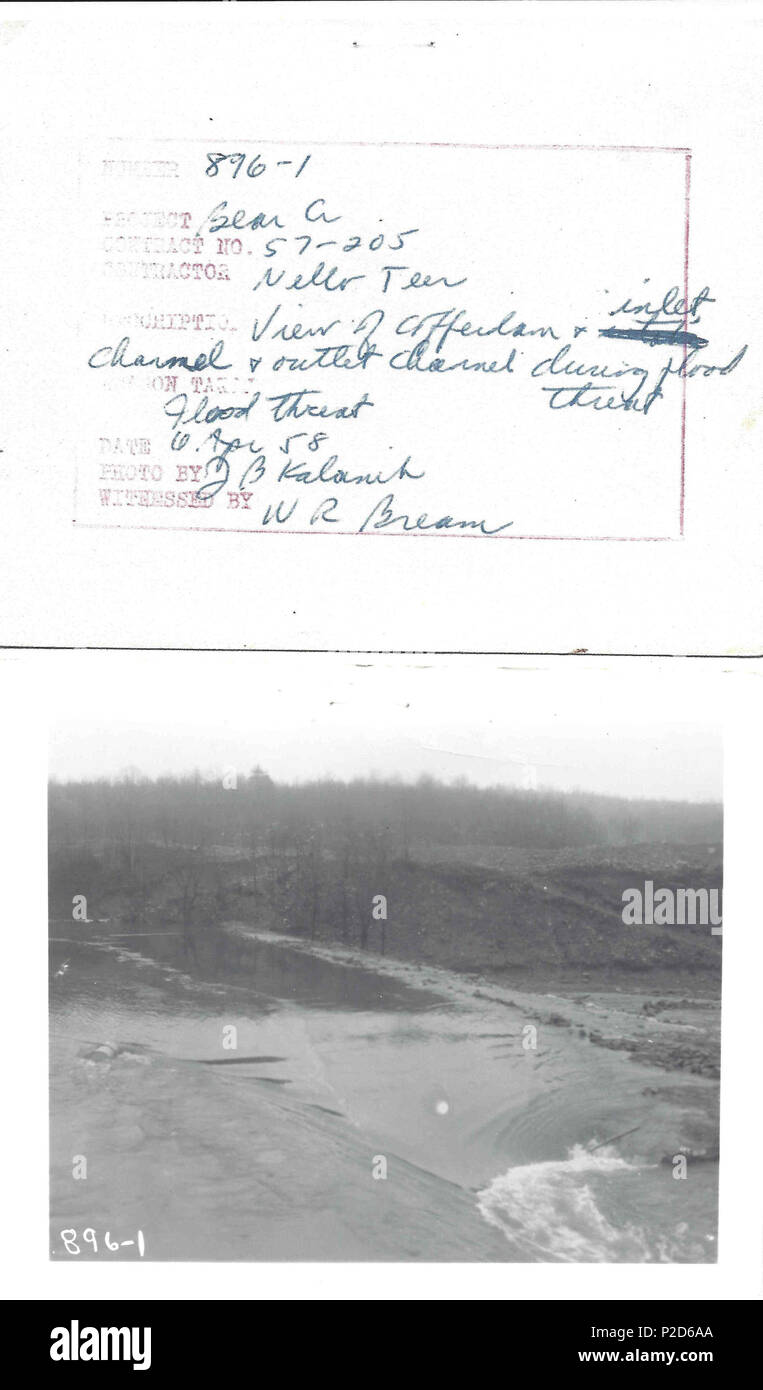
[[380, 667], [364, 961]]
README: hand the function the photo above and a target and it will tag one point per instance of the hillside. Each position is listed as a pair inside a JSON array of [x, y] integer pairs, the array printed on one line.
[[536, 918]]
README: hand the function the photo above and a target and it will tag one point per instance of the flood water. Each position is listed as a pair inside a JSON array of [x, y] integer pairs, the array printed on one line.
[[274, 1149]]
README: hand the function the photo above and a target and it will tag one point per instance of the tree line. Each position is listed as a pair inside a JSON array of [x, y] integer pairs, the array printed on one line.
[[255, 813], [194, 851]]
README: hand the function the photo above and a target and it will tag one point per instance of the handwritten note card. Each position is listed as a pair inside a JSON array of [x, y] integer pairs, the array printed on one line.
[[310, 338]]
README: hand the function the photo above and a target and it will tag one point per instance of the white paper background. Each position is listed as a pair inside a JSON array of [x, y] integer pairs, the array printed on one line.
[[651, 74]]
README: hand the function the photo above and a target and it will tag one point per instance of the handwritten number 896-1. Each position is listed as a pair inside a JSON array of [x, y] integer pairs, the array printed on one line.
[[254, 167], [89, 1237]]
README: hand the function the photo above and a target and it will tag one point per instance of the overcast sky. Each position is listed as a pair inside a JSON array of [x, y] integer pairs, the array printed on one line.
[[301, 717]]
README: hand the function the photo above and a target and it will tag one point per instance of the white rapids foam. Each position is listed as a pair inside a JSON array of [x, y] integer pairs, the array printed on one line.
[[552, 1207]]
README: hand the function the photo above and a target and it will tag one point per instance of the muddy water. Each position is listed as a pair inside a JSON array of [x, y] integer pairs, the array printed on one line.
[[272, 1149]]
